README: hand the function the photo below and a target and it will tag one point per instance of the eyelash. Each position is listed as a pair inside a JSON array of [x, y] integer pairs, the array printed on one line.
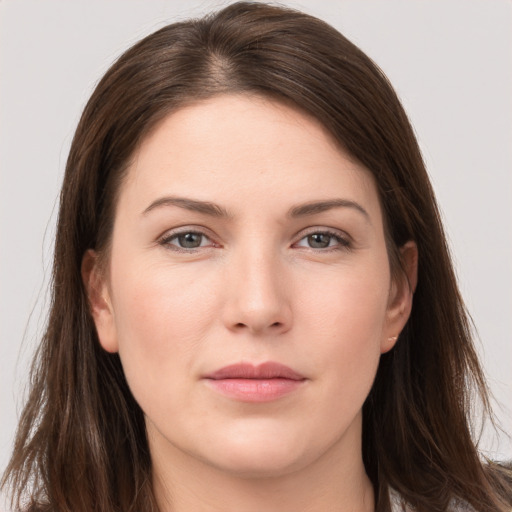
[[343, 243], [166, 240]]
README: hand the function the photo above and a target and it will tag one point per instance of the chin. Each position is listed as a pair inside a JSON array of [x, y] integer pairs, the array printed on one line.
[[259, 453]]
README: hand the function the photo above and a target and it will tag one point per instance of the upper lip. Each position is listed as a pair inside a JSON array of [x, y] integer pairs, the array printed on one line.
[[269, 370]]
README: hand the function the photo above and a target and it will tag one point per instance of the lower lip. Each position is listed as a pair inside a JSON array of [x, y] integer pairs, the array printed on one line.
[[255, 390]]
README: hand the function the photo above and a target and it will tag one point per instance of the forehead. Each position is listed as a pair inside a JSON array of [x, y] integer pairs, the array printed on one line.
[[241, 150]]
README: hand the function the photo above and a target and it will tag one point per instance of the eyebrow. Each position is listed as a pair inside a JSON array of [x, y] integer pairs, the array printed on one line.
[[312, 208], [215, 210], [205, 207]]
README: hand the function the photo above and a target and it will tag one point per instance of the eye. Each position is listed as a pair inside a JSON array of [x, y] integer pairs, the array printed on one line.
[[185, 241], [324, 240]]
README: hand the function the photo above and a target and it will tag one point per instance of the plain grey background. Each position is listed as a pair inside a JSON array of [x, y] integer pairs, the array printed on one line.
[[450, 61]]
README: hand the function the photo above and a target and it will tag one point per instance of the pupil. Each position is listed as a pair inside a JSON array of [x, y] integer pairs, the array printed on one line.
[[319, 240], [190, 240]]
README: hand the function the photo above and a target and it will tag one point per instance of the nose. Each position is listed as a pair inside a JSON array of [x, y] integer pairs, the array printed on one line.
[[257, 294]]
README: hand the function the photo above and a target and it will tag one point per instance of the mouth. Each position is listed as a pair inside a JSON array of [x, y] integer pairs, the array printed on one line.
[[262, 383]]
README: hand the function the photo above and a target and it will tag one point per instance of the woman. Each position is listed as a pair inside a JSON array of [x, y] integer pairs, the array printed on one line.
[[254, 307]]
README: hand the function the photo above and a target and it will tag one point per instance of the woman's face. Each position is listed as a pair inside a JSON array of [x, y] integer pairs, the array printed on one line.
[[248, 291]]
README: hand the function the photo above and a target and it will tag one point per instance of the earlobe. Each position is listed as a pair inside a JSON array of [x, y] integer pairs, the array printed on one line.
[[401, 296], [388, 344], [100, 305]]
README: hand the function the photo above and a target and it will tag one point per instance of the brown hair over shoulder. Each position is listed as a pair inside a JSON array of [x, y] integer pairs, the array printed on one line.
[[81, 443]]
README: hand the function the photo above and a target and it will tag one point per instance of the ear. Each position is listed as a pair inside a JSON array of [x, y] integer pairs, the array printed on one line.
[[100, 304], [400, 296]]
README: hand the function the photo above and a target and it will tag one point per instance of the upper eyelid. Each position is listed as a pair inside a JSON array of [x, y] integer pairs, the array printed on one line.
[[333, 231], [169, 233]]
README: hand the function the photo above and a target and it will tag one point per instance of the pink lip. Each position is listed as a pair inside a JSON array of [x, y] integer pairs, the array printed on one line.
[[262, 383]]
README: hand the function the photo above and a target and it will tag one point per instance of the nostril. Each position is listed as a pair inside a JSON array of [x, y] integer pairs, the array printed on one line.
[[275, 324]]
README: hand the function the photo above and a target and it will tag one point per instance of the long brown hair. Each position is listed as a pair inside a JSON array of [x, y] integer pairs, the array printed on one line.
[[81, 443]]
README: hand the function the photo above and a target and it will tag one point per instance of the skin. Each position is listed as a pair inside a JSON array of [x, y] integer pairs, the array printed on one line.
[[259, 287]]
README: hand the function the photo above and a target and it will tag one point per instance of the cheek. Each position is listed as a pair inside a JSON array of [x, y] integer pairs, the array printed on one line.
[[345, 324], [349, 310], [162, 318]]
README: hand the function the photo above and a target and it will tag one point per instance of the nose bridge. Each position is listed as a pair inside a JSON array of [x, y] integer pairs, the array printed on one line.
[[257, 299]]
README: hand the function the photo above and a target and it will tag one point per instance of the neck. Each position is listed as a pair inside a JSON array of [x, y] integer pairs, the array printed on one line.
[[335, 482]]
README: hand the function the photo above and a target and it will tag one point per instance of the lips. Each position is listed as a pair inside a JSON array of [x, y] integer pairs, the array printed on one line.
[[263, 371], [248, 383]]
